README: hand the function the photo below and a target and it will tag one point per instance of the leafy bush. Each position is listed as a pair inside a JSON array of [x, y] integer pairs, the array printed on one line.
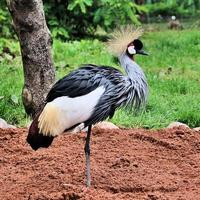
[[183, 8], [79, 18], [5, 21], [164, 9], [110, 14]]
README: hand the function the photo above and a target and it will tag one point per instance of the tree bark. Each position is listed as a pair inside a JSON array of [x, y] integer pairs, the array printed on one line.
[[35, 42]]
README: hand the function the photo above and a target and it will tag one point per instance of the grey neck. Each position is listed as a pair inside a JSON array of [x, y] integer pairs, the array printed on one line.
[[132, 69], [136, 76]]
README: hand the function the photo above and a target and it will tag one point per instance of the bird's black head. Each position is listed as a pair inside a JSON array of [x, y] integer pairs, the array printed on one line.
[[135, 47]]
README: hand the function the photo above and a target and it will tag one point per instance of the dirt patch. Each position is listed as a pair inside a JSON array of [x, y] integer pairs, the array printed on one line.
[[126, 164]]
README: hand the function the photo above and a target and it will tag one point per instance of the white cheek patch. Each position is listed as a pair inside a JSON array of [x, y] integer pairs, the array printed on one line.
[[131, 50]]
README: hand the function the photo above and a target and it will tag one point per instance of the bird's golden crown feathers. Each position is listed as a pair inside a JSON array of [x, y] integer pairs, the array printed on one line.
[[121, 38]]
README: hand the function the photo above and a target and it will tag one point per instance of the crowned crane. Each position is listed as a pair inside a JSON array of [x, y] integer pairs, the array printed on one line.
[[92, 93]]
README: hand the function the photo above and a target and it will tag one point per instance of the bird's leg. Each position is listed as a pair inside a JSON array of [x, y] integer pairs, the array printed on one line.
[[87, 155]]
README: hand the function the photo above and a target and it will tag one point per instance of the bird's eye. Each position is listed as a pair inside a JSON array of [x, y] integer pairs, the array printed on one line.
[[138, 44]]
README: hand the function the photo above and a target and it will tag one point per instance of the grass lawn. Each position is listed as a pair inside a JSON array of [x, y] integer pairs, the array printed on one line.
[[172, 70]]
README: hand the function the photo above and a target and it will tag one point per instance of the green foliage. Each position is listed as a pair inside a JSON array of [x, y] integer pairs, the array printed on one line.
[[11, 82], [181, 8], [164, 9], [82, 18], [82, 4], [78, 18], [110, 14], [5, 21]]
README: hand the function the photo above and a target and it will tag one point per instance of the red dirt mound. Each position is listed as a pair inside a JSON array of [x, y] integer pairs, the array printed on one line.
[[126, 164]]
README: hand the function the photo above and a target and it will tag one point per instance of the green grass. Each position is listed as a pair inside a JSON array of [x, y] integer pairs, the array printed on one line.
[[172, 69]]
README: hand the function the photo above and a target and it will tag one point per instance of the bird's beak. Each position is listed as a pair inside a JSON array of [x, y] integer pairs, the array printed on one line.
[[142, 52]]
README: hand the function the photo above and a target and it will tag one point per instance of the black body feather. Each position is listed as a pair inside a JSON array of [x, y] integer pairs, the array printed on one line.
[[86, 79]]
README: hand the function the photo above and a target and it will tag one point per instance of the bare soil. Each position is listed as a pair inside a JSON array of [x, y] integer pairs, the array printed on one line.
[[126, 165]]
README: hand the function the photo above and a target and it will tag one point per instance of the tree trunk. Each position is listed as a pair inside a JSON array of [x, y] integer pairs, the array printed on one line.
[[35, 41]]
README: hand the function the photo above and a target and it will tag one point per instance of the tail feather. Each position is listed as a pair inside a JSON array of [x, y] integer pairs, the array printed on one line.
[[35, 138]]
